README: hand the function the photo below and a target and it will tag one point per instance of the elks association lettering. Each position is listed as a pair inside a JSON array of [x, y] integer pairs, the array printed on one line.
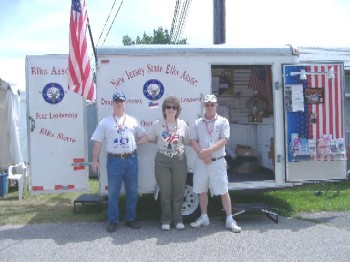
[[153, 71], [39, 71]]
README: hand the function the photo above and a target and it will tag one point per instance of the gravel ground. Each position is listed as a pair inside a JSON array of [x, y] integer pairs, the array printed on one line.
[[333, 219], [313, 237]]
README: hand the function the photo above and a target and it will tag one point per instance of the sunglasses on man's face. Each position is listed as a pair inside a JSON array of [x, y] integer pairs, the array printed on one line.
[[171, 107], [209, 105]]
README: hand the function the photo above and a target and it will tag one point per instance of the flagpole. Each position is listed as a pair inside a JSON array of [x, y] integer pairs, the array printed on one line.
[[92, 41]]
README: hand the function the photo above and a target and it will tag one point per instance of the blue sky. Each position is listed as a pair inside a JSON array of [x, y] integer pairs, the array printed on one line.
[[37, 27]]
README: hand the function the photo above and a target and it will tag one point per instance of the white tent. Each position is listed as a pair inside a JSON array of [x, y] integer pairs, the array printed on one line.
[[10, 149]]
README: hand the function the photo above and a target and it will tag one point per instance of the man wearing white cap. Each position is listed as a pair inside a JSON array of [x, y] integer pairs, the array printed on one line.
[[209, 135], [119, 131]]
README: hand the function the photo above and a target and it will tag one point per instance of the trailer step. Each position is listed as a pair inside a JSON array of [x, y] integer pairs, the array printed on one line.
[[88, 199]]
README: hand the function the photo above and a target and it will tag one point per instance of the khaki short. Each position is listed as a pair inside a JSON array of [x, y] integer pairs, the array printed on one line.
[[212, 176]]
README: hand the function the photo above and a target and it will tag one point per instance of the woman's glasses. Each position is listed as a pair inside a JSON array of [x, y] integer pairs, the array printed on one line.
[[171, 107], [209, 105]]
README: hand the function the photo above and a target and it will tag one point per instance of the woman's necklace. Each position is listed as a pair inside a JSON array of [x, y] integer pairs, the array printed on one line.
[[171, 134]]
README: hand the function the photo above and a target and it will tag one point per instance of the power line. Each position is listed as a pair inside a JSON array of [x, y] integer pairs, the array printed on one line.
[[182, 18], [174, 22], [179, 20], [105, 23], [109, 15], [112, 22], [94, 62]]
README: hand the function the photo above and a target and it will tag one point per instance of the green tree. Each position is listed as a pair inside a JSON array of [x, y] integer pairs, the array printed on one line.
[[160, 36]]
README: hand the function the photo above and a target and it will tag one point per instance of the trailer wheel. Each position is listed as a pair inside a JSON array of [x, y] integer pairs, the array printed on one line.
[[190, 206]]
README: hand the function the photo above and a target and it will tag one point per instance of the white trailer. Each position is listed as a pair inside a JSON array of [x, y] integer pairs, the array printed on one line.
[[286, 114], [56, 127], [267, 95]]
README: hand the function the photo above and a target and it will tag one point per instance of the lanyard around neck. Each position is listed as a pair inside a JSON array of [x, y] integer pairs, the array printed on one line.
[[120, 127], [211, 129]]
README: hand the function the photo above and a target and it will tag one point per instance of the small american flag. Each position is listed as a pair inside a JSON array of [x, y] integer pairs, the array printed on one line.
[[257, 78], [261, 82], [80, 75]]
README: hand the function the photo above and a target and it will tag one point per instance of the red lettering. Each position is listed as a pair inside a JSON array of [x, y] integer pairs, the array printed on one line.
[[40, 116], [117, 82], [45, 132], [171, 69], [37, 70]]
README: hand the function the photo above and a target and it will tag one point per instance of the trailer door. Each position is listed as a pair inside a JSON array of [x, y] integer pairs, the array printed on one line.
[[56, 129], [314, 122]]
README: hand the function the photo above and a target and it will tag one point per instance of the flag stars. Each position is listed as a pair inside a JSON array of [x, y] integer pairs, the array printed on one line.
[[76, 6]]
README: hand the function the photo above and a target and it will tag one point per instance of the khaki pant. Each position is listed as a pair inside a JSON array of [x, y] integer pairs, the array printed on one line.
[[171, 174]]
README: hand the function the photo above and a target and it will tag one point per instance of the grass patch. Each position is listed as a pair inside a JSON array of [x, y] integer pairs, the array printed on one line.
[[46, 208], [305, 198], [293, 200], [58, 208]]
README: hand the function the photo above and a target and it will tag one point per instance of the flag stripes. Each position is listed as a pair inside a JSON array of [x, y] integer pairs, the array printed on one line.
[[80, 76], [329, 114], [261, 82]]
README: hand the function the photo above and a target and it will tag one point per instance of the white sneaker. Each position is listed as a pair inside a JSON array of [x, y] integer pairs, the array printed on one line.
[[200, 222], [166, 227], [180, 226], [232, 225]]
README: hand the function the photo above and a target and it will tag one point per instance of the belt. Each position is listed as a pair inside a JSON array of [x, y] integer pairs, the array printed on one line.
[[218, 158], [171, 153], [122, 156]]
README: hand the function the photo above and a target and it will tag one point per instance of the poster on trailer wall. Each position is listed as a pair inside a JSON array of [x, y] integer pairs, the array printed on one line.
[[314, 113]]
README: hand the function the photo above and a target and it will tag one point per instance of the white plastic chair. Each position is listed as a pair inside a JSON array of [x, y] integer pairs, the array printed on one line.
[[18, 173]]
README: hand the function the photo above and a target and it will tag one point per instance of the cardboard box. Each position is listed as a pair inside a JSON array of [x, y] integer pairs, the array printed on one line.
[[242, 150], [247, 167]]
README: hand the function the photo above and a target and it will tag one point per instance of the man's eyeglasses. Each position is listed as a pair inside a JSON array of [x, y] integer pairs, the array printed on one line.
[[171, 107], [209, 105]]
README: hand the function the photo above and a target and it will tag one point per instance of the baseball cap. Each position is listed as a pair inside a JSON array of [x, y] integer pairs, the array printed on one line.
[[119, 97], [210, 98]]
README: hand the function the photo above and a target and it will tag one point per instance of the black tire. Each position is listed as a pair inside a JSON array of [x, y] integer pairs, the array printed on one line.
[[190, 206]]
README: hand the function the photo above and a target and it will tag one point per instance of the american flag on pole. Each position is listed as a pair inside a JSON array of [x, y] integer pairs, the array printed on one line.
[[80, 75]]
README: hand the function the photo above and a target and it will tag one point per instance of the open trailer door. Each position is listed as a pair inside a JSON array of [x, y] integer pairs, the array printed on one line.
[[56, 129], [314, 122]]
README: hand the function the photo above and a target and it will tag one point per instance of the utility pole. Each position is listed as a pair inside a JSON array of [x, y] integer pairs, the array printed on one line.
[[219, 22]]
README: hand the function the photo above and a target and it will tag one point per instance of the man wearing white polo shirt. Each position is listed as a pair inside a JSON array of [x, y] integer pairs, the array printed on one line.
[[209, 136]]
